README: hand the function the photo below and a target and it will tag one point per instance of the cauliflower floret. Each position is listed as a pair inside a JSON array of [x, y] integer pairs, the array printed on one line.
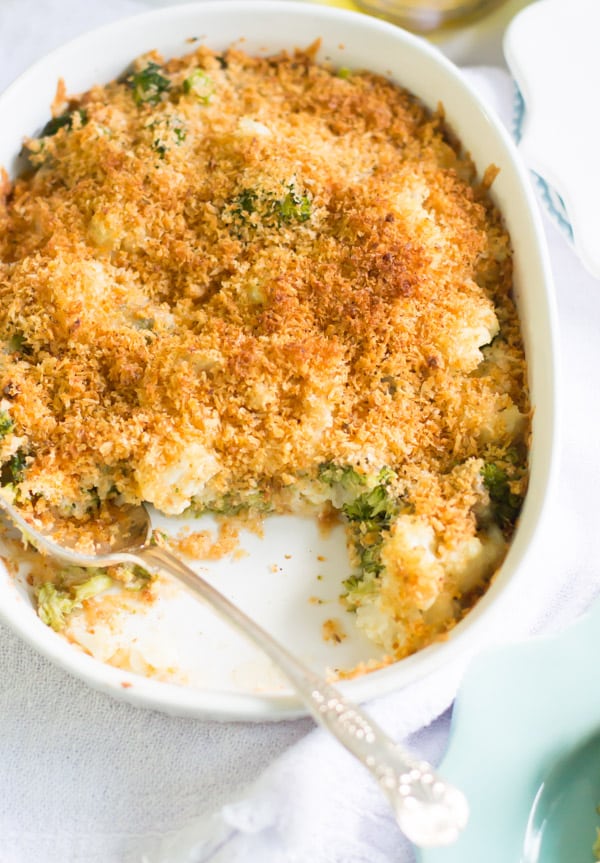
[[468, 564], [413, 573], [508, 424], [474, 324], [172, 472], [380, 626], [248, 127]]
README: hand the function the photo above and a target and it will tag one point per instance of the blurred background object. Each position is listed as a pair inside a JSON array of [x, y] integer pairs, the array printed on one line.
[[426, 16], [474, 39]]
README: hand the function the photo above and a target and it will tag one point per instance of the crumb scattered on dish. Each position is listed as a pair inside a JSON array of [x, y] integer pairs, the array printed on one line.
[[333, 631], [202, 544]]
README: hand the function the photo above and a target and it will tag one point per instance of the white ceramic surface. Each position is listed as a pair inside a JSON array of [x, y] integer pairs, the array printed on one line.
[[551, 48], [275, 581]]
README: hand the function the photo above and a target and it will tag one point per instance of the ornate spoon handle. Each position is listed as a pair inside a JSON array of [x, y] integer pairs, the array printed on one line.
[[428, 811]]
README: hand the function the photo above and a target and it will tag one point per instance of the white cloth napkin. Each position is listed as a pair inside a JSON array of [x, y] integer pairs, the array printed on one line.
[[86, 778]]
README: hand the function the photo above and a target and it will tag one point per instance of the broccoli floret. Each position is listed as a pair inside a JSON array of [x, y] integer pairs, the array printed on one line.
[[358, 587], [93, 497], [55, 605], [92, 587], [344, 475], [169, 132], [200, 85], [13, 470], [149, 84], [293, 207], [370, 513], [179, 134], [6, 424], [245, 203], [507, 504], [134, 577], [370, 555], [271, 211], [494, 479], [64, 121], [231, 504], [17, 344], [370, 516], [373, 509], [159, 148]]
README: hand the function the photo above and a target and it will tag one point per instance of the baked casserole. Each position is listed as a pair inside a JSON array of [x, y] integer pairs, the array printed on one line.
[[238, 284]]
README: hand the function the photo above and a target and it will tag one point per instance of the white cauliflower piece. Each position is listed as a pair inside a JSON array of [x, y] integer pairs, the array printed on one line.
[[413, 572], [172, 472]]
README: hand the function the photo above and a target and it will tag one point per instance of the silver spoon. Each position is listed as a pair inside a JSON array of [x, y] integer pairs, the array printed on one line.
[[428, 810]]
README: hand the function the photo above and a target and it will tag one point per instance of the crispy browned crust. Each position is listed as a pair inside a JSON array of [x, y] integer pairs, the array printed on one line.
[[151, 313]]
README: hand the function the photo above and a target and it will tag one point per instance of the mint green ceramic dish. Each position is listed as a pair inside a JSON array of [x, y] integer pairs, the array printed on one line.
[[525, 749]]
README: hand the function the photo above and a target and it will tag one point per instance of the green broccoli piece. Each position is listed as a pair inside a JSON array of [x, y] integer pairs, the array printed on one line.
[[149, 84], [245, 203], [6, 424], [344, 475], [135, 576], [17, 344], [55, 605], [370, 516], [200, 85], [507, 505], [168, 132], [159, 148], [359, 586], [293, 207], [64, 121], [374, 510], [271, 211], [494, 479], [13, 470], [231, 504], [93, 496], [90, 588]]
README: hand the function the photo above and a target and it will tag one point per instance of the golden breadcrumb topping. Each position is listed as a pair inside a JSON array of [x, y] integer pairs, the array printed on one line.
[[233, 283]]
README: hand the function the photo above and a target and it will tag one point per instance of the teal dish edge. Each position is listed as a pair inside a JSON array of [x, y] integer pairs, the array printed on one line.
[[521, 709]]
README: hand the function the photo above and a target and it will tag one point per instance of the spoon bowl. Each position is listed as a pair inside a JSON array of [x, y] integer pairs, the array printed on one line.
[[124, 530]]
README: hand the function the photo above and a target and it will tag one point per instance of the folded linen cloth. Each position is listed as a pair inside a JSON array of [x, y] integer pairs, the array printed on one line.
[[86, 778]]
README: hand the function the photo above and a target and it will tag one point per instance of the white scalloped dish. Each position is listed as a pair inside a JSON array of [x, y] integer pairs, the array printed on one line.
[[551, 48], [293, 562]]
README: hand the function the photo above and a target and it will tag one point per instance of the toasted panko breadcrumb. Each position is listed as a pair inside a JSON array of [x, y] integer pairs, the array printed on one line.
[[237, 283]]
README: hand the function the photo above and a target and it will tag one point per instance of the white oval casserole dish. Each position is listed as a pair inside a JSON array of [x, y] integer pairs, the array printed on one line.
[[354, 41]]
